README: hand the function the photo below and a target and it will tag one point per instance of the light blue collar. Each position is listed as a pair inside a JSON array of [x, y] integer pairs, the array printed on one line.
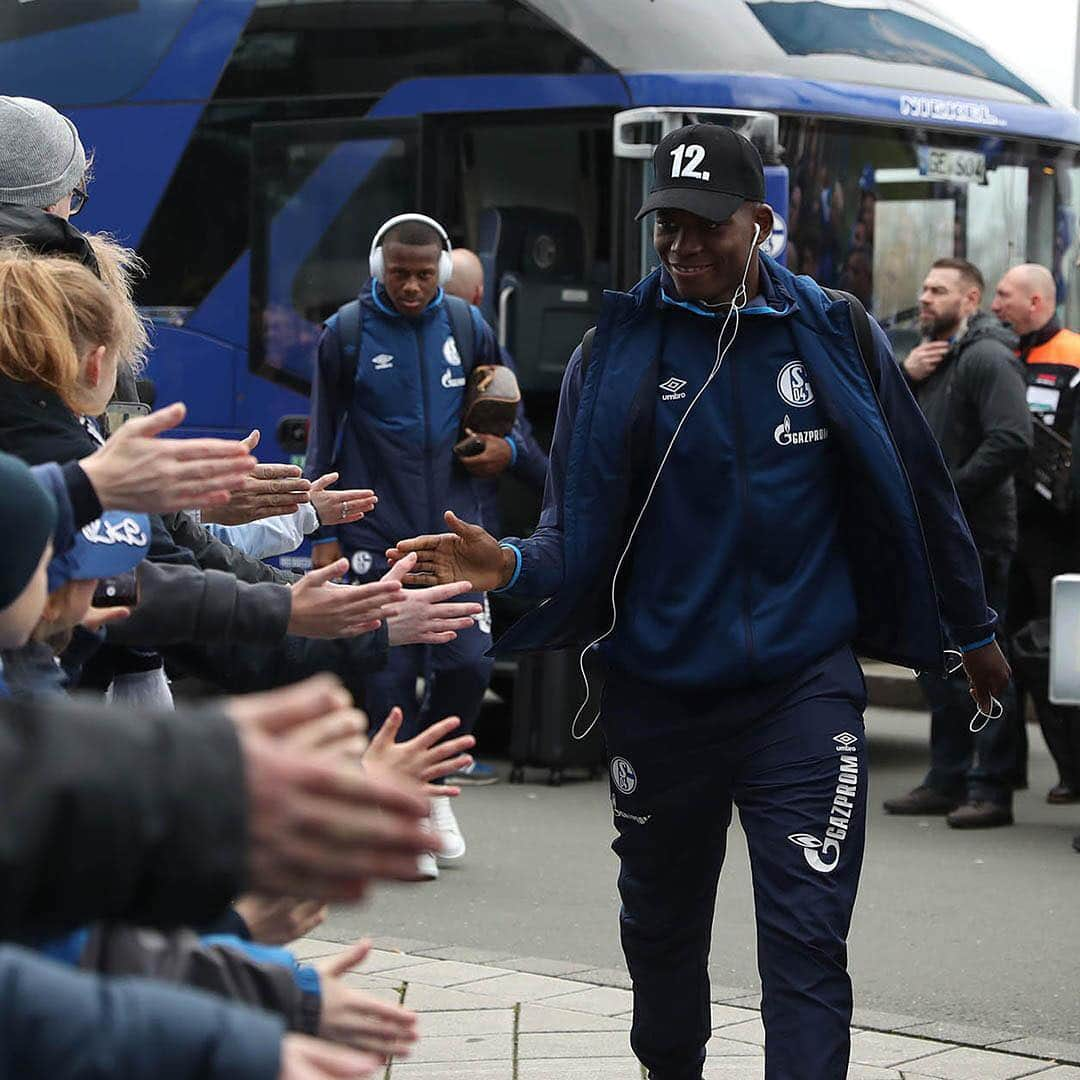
[[757, 306]]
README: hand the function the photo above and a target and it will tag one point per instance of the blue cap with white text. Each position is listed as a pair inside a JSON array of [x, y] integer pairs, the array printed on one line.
[[117, 542]]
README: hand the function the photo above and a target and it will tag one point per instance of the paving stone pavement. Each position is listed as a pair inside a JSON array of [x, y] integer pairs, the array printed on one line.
[[494, 1016]]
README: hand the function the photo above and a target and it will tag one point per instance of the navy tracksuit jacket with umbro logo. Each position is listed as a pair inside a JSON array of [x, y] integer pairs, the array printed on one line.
[[752, 485]]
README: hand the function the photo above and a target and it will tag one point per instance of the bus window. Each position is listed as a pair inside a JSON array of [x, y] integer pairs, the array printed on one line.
[[871, 207], [320, 60], [321, 190], [530, 196], [320, 48]]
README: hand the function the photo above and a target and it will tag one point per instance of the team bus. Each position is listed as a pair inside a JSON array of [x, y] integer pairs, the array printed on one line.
[[250, 148]]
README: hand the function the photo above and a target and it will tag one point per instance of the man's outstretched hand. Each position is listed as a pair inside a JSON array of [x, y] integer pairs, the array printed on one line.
[[466, 553]]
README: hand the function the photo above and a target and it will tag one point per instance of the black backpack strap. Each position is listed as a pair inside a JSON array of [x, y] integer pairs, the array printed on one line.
[[586, 350], [350, 317], [463, 329], [864, 336]]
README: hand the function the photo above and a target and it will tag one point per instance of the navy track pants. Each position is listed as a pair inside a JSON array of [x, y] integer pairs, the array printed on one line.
[[792, 758]]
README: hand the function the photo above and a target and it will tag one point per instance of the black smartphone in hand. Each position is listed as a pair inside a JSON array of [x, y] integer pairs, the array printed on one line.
[[119, 591], [470, 446]]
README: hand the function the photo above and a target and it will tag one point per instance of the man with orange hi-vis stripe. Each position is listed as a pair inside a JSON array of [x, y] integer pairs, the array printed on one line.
[[1026, 299]]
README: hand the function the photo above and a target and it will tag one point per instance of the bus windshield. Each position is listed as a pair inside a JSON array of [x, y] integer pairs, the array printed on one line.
[[873, 43]]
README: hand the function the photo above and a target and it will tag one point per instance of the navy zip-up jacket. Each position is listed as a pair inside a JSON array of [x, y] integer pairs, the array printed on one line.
[[913, 566], [755, 477], [395, 431]]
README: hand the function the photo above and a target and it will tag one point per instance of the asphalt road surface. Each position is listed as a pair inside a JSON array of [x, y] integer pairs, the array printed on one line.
[[979, 928]]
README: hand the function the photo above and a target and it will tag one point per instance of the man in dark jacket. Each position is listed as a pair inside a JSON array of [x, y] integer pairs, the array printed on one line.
[[739, 490], [966, 380]]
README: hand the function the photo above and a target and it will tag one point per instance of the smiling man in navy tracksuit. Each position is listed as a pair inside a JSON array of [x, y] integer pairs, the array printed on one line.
[[802, 508]]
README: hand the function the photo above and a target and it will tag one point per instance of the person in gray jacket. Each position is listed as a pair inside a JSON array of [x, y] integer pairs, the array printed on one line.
[[965, 377]]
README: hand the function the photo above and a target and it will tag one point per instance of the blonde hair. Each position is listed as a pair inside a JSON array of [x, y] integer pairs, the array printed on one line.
[[51, 310], [120, 268]]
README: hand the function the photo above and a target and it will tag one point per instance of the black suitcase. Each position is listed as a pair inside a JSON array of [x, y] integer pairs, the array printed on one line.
[[548, 692]]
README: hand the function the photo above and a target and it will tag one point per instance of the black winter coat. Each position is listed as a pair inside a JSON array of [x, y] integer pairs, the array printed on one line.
[[976, 406], [46, 234], [109, 816]]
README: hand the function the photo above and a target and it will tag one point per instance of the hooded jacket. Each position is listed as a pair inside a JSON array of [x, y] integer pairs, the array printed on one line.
[[914, 567], [394, 427], [976, 406]]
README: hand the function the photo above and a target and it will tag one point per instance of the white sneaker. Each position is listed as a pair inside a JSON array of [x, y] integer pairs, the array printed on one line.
[[427, 867], [447, 829]]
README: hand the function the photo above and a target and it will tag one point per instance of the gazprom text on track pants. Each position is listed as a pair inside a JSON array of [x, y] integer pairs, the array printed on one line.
[[792, 758]]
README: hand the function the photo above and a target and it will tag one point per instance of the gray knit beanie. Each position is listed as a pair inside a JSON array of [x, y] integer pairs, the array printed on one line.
[[41, 158]]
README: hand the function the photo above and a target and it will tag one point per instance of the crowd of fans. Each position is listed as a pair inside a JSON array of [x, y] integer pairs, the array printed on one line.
[[155, 857]]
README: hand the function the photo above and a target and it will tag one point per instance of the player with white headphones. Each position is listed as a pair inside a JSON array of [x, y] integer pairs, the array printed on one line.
[[738, 494], [387, 405]]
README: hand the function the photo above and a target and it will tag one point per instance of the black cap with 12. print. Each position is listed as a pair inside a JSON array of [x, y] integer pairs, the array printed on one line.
[[707, 170]]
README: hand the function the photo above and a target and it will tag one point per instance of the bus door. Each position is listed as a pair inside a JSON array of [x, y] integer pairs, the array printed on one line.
[[635, 135], [320, 191]]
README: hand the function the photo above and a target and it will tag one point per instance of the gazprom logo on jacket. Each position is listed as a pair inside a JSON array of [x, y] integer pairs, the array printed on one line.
[[793, 385], [450, 353], [785, 435]]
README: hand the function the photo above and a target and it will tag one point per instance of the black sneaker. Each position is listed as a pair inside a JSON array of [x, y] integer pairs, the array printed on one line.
[[980, 815], [923, 800]]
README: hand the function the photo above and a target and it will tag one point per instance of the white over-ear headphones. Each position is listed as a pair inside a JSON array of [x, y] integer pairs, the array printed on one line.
[[375, 257]]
